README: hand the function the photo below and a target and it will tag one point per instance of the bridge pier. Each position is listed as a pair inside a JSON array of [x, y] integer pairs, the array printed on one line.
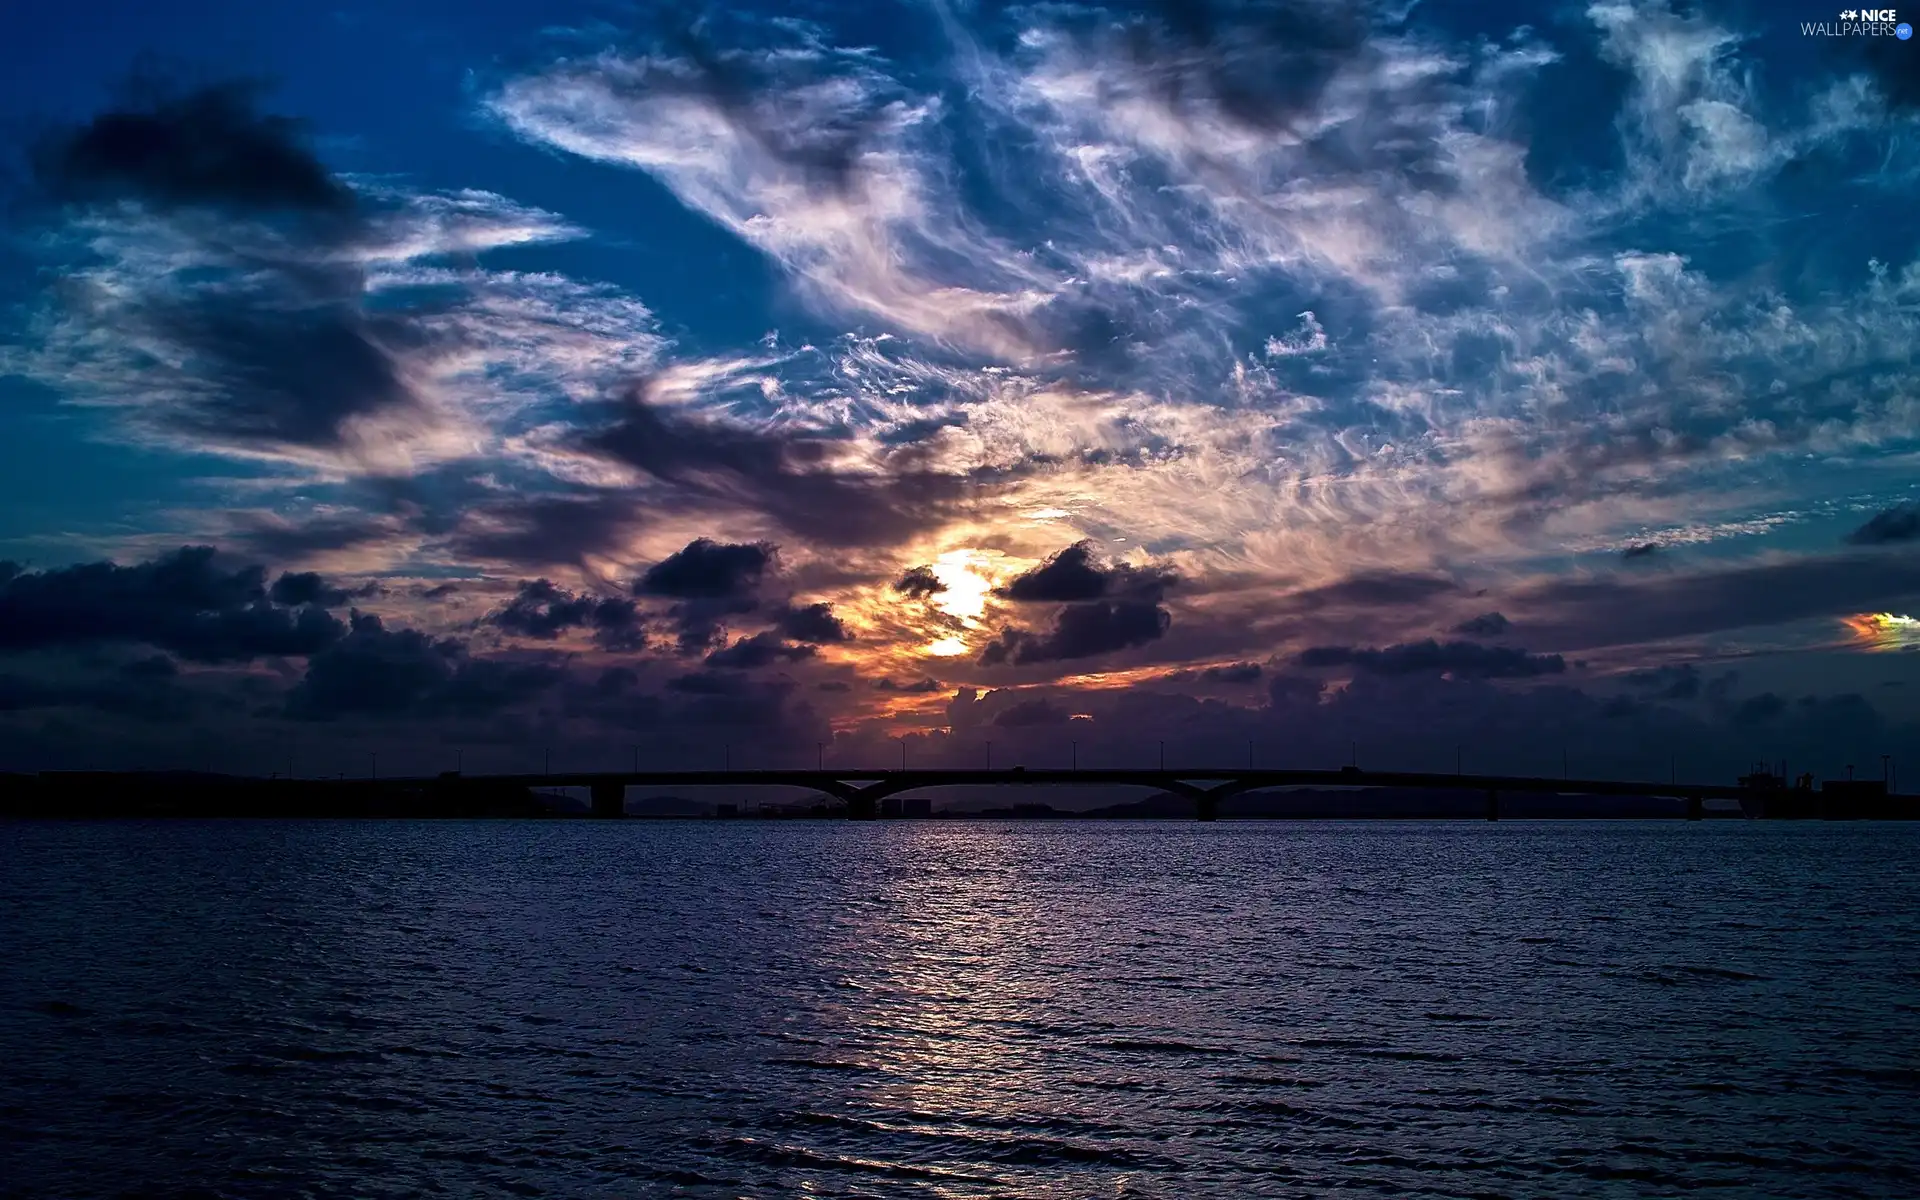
[[1493, 804], [1207, 807], [863, 807], [609, 799], [1696, 808]]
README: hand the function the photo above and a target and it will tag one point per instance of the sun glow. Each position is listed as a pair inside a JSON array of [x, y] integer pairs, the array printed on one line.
[[968, 580], [967, 586]]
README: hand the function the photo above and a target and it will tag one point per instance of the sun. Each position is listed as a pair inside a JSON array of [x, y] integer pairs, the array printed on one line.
[[967, 587], [966, 576]]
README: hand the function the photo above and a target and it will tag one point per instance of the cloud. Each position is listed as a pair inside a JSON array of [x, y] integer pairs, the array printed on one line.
[[1461, 659], [1642, 550], [707, 570], [278, 538], [761, 650], [1578, 613], [1672, 681], [1490, 624], [378, 672], [544, 610], [310, 587], [543, 530], [1901, 523], [1373, 589], [921, 687], [204, 148], [814, 156], [1072, 574], [1243, 672], [792, 481], [220, 290], [814, 623], [919, 583], [1030, 714], [1082, 631], [183, 602]]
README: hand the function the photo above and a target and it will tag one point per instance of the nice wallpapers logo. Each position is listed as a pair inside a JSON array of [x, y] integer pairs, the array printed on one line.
[[1860, 22]]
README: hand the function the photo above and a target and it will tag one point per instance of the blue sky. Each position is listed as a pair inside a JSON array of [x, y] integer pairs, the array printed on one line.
[[1233, 361]]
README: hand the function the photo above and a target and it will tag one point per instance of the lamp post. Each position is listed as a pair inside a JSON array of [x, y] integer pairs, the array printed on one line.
[[1163, 755], [1456, 761], [819, 756], [375, 756], [903, 754], [1075, 760], [989, 756]]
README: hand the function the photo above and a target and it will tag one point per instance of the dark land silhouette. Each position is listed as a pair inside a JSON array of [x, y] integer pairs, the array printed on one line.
[[833, 794]]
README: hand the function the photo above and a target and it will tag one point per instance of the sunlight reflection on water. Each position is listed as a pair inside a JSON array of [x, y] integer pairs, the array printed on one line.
[[957, 1008]]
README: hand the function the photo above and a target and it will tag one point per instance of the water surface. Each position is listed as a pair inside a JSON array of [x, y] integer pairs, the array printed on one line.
[[958, 1009]]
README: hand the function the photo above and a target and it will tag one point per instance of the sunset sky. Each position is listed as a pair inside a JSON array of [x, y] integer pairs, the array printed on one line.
[[439, 378]]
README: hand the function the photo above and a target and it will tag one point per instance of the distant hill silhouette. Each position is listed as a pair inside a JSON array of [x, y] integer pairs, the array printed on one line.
[[668, 806], [1396, 802]]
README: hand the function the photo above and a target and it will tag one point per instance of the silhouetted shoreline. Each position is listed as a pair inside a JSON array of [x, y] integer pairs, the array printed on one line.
[[202, 795]]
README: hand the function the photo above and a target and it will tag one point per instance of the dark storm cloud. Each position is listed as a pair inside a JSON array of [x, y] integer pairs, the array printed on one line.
[[1901, 523], [1578, 613], [707, 570], [184, 602], [274, 346], [919, 582], [760, 650], [293, 364], [377, 672], [1643, 550], [1029, 714], [1485, 625], [712, 581], [787, 480], [542, 609], [1373, 589], [1242, 672], [1758, 710], [1073, 575], [1674, 681], [923, 687], [541, 531], [311, 587], [1082, 631], [278, 539], [208, 147], [156, 666], [150, 697], [706, 683], [813, 623], [1463, 659], [1293, 690]]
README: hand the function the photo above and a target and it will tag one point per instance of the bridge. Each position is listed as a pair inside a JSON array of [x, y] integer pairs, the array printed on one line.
[[862, 791]]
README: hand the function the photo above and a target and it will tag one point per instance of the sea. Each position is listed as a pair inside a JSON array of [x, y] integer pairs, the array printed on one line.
[[959, 1008]]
